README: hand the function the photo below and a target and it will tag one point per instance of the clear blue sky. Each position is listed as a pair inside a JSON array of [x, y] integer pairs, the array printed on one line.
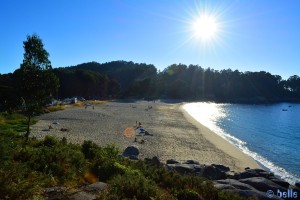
[[253, 35]]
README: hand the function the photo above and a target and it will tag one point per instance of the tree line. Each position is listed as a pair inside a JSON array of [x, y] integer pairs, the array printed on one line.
[[122, 79]]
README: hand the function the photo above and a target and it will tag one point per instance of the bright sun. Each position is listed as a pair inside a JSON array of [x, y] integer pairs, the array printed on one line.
[[205, 27]]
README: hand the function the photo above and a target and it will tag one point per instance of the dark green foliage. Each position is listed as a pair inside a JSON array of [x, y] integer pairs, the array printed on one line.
[[84, 83], [19, 182], [34, 82], [103, 160], [121, 79], [132, 185], [182, 81], [89, 149], [187, 194], [52, 157]]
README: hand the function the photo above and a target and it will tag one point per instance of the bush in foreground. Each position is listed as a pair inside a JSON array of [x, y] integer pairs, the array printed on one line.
[[27, 168]]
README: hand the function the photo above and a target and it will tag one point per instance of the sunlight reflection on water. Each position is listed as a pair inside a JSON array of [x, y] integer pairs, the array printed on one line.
[[216, 117]]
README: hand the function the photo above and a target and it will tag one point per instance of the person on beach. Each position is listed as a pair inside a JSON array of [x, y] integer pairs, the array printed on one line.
[[139, 125]]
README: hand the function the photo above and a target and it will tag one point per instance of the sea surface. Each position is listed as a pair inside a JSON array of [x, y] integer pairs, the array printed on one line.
[[268, 133]]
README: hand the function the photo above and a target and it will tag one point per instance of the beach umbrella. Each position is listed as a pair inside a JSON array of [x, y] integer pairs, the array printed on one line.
[[129, 132]]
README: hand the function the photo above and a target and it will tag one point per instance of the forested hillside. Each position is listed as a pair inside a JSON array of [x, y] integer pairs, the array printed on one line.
[[121, 79]]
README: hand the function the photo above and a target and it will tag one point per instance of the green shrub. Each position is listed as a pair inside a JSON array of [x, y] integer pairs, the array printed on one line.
[[52, 157], [50, 141], [132, 186], [19, 182], [106, 169], [89, 149], [187, 194]]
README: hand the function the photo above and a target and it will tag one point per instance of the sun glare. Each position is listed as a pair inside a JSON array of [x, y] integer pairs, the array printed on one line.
[[205, 27]]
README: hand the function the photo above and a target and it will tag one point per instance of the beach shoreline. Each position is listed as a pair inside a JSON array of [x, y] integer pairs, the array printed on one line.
[[242, 160], [176, 135]]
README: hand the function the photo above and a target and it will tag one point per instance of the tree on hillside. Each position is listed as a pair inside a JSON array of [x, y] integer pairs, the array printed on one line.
[[293, 84], [7, 93], [34, 80]]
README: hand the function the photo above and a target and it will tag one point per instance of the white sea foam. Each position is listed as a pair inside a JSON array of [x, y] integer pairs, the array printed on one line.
[[209, 113]]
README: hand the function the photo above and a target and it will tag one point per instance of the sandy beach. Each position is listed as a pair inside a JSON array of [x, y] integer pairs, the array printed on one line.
[[176, 135]]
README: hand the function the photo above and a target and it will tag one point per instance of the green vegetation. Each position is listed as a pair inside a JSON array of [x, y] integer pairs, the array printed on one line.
[[120, 79], [34, 82], [27, 168], [181, 81]]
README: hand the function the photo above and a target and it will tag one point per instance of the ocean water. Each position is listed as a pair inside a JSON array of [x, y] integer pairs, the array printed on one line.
[[268, 133]]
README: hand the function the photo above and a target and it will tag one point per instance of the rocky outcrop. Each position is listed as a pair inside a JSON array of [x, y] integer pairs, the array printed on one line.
[[213, 173], [252, 182], [172, 161], [88, 192], [261, 184], [153, 161]]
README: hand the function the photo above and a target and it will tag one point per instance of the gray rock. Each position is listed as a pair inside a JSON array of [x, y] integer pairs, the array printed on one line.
[[133, 157], [236, 184], [192, 162], [95, 187], [297, 184], [181, 168], [213, 173], [55, 192], [55, 189], [261, 184], [82, 196], [155, 161], [172, 161], [248, 174], [198, 168], [131, 151], [221, 167], [242, 189], [224, 186], [281, 182]]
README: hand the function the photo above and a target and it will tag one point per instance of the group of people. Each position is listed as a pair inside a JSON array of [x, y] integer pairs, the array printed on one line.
[[142, 131]]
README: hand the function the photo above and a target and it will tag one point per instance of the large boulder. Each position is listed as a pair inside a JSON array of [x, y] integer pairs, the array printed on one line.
[[221, 167], [182, 168], [236, 184], [131, 151], [172, 161], [192, 162], [248, 174], [261, 184], [55, 192], [95, 187], [213, 173], [280, 182], [153, 161], [82, 196], [221, 186]]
